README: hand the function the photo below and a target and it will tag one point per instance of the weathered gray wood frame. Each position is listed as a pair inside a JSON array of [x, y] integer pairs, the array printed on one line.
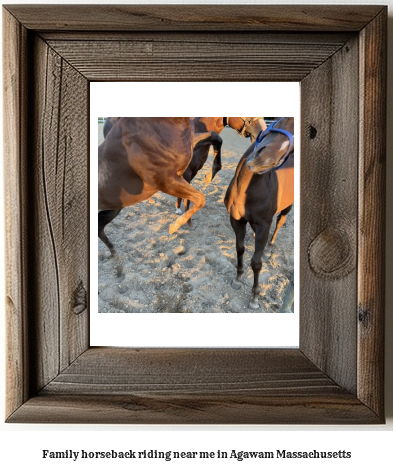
[[338, 53]]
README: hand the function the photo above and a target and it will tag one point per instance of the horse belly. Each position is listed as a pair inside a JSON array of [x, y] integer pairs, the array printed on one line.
[[120, 184], [128, 199], [285, 193], [124, 193]]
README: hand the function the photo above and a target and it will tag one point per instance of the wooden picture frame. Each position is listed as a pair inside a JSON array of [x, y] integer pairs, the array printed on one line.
[[338, 54]]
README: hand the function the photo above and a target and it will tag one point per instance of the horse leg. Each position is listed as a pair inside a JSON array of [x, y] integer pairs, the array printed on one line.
[[214, 139], [261, 238], [187, 176], [180, 188], [239, 227], [281, 218], [178, 206], [186, 208], [186, 203], [288, 298], [216, 166], [104, 217]]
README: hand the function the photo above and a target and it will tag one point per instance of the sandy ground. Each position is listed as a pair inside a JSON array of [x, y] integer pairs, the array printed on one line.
[[190, 271]]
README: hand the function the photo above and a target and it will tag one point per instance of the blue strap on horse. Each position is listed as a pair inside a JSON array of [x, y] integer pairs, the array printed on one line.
[[269, 129]]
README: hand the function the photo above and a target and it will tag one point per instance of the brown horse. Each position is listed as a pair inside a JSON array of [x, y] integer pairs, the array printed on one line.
[[248, 127], [141, 156], [263, 186]]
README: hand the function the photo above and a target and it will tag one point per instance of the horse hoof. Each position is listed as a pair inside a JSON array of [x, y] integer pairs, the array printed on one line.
[[253, 305], [179, 212], [236, 285]]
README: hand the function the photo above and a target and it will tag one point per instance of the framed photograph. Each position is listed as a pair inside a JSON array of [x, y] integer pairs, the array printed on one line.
[[52, 55], [155, 277]]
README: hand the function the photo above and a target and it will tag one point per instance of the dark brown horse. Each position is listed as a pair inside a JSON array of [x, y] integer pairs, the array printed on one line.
[[141, 156], [248, 127], [262, 187]]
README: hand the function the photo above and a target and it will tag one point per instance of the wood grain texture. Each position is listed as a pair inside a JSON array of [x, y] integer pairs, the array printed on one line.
[[194, 17], [196, 371], [328, 249], [16, 229], [193, 386], [156, 409], [160, 59], [372, 197], [336, 375], [60, 177], [201, 37]]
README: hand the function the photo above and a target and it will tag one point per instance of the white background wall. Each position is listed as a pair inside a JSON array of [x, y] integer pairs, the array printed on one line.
[[21, 445]]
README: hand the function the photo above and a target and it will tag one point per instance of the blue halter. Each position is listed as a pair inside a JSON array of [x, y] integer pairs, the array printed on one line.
[[269, 129]]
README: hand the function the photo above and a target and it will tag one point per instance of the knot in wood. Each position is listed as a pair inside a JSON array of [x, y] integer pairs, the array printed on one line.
[[364, 316], [80, 299], [313, 132], [330, 254]]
